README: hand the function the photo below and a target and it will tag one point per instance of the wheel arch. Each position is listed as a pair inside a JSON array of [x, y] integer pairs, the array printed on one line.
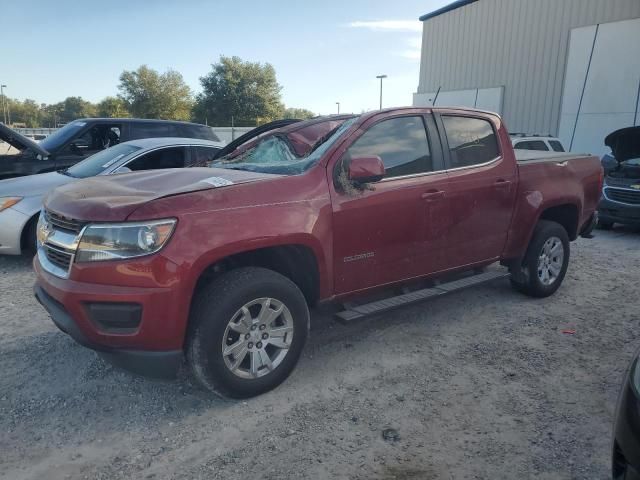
[[566, 214], [26, 228], [297, 260]]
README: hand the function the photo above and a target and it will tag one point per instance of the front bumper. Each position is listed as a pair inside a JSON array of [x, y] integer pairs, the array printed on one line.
[[615, 212], [153, 347], [147, 363], [12, 222], [626, 443]]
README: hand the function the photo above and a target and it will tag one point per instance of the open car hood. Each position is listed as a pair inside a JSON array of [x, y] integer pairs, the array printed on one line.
[[112, 198], [19, 141], [624, 143]]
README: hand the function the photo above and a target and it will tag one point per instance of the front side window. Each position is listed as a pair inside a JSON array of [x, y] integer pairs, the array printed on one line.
[[98, 137], [401, 143], [472, 141]]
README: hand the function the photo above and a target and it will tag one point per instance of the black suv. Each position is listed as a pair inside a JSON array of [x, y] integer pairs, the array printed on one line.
[[81, 138]]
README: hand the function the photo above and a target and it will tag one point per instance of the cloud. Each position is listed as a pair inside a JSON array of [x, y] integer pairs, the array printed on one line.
[[413, 53], [389, 25]]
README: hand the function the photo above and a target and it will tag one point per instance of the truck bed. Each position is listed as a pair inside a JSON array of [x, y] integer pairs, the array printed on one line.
[[538, 156]]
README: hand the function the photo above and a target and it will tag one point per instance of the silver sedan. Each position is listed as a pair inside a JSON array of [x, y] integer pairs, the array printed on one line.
[[21, 198]]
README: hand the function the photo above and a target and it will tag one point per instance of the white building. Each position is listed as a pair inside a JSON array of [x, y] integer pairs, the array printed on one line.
[[568, 68]]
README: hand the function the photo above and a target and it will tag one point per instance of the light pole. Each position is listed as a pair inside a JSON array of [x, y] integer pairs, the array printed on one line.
[[381, 77], [4, 110], [338, 103]]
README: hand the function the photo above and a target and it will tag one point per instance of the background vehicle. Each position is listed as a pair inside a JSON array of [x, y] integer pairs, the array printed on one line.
[[620, 202], [522, 141], [81, 138], [21, 198], [626, 435], [222, 264]]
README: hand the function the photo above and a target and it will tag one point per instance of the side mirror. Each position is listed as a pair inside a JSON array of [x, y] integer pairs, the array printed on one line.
[[366, 169], [122, 169]]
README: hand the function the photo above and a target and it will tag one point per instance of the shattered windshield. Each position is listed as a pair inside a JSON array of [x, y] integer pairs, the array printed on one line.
[[275, 154]]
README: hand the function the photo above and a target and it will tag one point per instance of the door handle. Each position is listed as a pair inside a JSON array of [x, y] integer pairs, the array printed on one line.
[[432, 195], [501, 183]]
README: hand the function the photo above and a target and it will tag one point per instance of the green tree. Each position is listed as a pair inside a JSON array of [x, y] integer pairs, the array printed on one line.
[[301, 113], [246, 92], [26, 112], [112, 107], [149, 94], [73, 108]]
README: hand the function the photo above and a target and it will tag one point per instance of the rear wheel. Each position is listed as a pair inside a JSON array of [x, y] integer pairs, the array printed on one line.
[[546, 261], [248, 330]]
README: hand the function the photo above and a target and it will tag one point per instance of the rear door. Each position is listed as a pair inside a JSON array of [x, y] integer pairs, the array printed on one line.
[[482, 187], [391, 230]]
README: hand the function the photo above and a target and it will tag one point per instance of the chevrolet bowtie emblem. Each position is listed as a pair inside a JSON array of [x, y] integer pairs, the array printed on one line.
[[636, 186]]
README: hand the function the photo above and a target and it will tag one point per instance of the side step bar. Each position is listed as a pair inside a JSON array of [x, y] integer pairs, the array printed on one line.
[[360, 311]]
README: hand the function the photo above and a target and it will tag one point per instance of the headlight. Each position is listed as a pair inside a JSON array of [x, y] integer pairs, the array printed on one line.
[[123, 240], [6, 202]]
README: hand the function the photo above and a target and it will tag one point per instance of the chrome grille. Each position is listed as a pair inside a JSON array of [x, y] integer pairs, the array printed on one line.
[[59, 257], [623, 195], [63, 223]]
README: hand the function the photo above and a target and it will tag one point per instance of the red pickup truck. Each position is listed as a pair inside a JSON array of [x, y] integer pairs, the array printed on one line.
[[220, 265]]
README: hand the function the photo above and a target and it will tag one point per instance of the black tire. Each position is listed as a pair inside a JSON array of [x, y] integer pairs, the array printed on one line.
[[605, 225], [216, 304], [30, 242], [530, 282]]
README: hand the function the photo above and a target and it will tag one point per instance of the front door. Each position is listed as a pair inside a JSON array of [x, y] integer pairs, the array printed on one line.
[[87, 142], [390, 230]]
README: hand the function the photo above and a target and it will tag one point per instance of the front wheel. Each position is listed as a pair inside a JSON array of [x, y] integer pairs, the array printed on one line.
[[546, 261], [248, 328]]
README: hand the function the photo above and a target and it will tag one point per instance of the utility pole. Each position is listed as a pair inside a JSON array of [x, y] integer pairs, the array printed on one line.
[[381, 77], [4, 109], [338, 103]]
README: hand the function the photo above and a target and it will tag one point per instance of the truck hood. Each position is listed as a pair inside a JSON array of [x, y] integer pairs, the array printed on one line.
[[19, 141], [32, 185], [114, 197], [624, 143]]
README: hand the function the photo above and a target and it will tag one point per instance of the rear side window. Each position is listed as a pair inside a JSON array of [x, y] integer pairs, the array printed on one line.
[[401, 143], [164, 158], [556, 145], [153, 130], [532, 145], [472, 141]]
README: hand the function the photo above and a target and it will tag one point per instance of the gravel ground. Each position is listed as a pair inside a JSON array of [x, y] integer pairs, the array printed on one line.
[[480, 384]]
